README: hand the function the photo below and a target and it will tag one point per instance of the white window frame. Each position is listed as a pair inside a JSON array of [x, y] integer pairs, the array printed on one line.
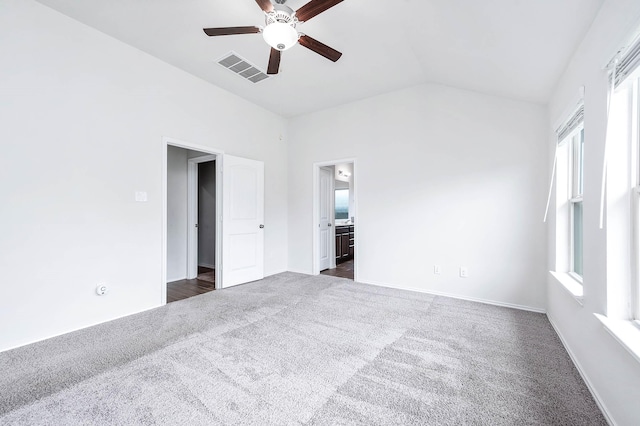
[[575, 172], [623, 202], [622, 149]]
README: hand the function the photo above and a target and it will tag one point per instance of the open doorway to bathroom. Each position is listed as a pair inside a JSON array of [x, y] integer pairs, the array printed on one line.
[[336, 254]]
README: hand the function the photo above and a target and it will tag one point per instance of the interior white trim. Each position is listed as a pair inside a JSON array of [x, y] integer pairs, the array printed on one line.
[[587, 381], [332, 207], [457, 296], [166, 141], [72, 330], [296, 271], [570, 284], [279, 271], [624, 332]]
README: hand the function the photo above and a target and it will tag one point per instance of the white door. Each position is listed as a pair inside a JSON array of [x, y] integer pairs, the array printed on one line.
[[242, 220], [326, 216]]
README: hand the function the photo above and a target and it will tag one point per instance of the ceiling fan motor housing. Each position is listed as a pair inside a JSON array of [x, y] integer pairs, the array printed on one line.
[[280, 30], [283, 14]]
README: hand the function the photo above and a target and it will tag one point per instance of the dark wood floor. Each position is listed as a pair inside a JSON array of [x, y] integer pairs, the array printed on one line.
[[183, 289], [343, 270]]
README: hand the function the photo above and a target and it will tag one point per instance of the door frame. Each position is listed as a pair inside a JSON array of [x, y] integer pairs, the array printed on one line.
[[219, 157], [192, 214], [315, 250]]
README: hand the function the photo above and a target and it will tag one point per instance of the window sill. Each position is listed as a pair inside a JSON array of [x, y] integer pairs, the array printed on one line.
[[625, 332], [571, 285]]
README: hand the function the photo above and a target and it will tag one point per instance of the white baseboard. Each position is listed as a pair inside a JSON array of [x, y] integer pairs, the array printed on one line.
[[73, 329], [457, 296], [594, 392], [271, 273], [170, 280], [298, 272], [207, 265]]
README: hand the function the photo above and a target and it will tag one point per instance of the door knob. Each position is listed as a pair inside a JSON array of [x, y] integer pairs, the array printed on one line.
[[329, 224], [261, 226]]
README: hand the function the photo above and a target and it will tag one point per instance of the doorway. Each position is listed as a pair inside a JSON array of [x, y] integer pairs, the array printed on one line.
[[335, 219], [191, 223], [238, 247]]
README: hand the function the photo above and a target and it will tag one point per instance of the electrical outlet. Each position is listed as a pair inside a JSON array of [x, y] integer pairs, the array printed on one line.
[[437, 270], [464, 272], [101, 289]]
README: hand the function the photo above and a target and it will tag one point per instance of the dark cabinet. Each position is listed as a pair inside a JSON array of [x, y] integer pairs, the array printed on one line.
[[351, 242], [344, 243]]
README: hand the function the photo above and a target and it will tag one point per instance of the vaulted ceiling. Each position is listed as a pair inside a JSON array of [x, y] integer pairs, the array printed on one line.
[[512, 48]]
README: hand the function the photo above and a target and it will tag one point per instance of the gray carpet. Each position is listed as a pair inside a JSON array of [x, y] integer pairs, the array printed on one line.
[[295, 349]]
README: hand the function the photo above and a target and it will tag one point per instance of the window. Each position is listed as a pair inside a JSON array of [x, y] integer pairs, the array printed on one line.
[[623, 200], [570, 212], [576, 148], [622, 154], [623, 184]]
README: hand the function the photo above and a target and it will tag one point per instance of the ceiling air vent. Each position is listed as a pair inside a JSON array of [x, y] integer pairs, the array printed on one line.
[[233, 62]]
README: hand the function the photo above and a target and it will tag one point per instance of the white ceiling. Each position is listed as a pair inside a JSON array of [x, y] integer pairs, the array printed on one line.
[[512, 48]]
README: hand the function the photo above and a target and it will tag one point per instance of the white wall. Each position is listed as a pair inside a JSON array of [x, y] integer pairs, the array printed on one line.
[[609, 369], [176, 213], [443, 176], [82, 118]]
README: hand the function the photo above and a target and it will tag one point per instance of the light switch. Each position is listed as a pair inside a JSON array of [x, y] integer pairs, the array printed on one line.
[[141, 196]]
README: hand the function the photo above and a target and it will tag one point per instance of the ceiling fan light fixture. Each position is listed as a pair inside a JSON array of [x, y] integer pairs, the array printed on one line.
[[280, 35], [280, 31]]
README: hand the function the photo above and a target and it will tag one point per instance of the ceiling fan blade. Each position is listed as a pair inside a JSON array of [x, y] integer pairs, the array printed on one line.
[[265, 5], [315, 7], [230, 31], [274, 61], [319, 48]]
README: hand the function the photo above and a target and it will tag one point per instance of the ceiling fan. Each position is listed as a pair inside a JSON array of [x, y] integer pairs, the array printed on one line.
[[280, 29]]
